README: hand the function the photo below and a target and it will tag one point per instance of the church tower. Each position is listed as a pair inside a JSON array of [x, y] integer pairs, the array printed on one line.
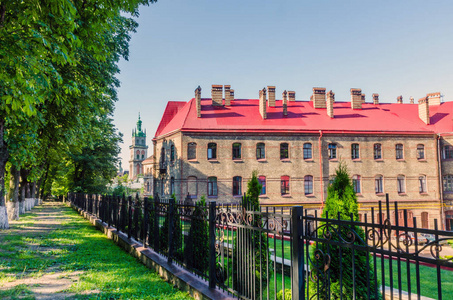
[[139, 150]]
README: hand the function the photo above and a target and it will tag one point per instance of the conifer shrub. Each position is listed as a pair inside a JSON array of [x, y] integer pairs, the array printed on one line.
[[342, 200]]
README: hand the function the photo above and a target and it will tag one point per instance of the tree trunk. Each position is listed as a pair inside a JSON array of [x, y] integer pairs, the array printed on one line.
[[3, 159], [22, 191], [13, 194]]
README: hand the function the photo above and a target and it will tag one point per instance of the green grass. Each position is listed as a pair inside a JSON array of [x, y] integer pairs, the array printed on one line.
[[77, 246], [21, 291]]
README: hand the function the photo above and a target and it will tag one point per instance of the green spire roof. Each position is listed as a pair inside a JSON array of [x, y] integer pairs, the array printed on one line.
[[139, 132]]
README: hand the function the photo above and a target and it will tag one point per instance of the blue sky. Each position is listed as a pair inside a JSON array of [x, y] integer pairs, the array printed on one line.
[[388, 47]]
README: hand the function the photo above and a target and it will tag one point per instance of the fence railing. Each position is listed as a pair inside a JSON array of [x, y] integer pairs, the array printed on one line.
[[288, 253]]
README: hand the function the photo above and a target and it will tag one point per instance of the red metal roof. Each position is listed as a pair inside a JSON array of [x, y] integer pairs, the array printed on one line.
[[243, 116]]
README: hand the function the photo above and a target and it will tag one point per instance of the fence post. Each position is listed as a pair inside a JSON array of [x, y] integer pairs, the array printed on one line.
[[156, 223], [212, 254], [298, 275], [145, 221], [129, 217], [170, 229]]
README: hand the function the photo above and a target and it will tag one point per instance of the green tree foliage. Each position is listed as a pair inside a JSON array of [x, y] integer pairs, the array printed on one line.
[[252, 239], [342, 202]]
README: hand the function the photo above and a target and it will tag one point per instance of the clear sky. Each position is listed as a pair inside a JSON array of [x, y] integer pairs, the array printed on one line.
[[388, 47]]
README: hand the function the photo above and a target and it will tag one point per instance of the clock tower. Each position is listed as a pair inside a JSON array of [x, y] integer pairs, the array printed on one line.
[[139, 150]]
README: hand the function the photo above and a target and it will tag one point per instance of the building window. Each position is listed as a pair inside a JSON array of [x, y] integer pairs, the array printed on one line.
[[425, 219], [212, 186], [172, 186], [420, 151], [448, 152], [284, 151], [260, 151], [172, 153], [237, 185], [237, 151], [410, 218], [262, 181], [399, 151], [308, 185], [192, 151], [401, 184], [448, 183], [138, 153], [355, 151], [422, 184], [212, 151], [356, 183], [192, 186], [284, 185], [332, 151], [377, 151], [379, 184], [307, 151]]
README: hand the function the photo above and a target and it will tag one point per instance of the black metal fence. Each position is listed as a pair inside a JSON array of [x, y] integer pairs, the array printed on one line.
[[286, 253]]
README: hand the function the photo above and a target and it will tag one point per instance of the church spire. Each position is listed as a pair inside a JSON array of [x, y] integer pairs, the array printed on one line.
[[138, 132]]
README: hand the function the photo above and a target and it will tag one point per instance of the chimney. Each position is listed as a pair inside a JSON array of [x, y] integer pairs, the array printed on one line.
[[291, 96], [198, 100], [231, 95], [329, 103], [271, 92], [423, 109], [227, 95], [285, 103], [356, 98], [434, 98], [216, 94], [263, 103], [319, 97], [399, 99], [363, 98], [376, 99], [412, 100]]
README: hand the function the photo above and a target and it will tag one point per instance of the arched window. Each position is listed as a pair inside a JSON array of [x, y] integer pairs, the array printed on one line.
[[262, 181], [308, 185], [284, 184], [308, 151], [260, 151], [399, 151], [237, 186], [284, 151], [377, 149], [212, 151], [332, 151], [237, 151], [355, 153], [212, 186], [448, 152], [425, 220], [192, 151], [138, 154], [422, 184], [163, 157], [172, 186], [401, 184], [448, 183], [420, 151], [379, 184], [192, 186], [172, 153], [143, 154], [356, 184]]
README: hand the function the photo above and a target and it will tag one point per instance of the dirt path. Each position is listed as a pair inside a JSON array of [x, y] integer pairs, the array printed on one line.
[[26, 236]]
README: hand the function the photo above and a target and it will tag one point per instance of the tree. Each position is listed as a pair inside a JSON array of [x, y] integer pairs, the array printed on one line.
[[341, 202]]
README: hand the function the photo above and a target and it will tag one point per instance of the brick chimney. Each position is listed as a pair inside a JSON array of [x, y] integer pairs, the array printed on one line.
[[423, 109], [285, 103], [412, 100], [375, 99], [329, 103], [319, 97], [198, 100], [231, 95], [399, 99], [291, 96], [271, 95], [227, 95], [356, 98], [263, 103], [363, 98], [434, 98], [216, 94]]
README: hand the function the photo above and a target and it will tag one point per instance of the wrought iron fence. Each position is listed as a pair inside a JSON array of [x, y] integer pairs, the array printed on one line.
[[287, 253]]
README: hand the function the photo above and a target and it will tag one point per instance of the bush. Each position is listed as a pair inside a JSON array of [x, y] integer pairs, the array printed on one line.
[[288, 295]]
